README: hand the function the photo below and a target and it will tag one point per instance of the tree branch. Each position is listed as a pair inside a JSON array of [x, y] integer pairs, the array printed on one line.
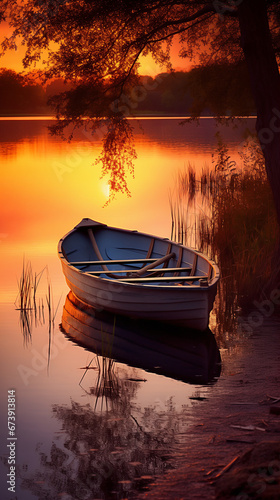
[[169, 24], [181, 30]]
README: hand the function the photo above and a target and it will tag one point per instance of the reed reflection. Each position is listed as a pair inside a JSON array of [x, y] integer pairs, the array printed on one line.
[[113, 446], [102, 455], [31, 305]]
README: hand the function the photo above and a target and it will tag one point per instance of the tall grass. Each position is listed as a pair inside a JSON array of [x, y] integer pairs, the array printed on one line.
[[25, 300], [244, 225], [31, 306], [234, 221], [36, 281], [183, 207], [25, 288]]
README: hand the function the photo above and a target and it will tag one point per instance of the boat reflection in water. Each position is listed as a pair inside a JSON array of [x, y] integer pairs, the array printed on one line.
[[113, 443], [188, 356]]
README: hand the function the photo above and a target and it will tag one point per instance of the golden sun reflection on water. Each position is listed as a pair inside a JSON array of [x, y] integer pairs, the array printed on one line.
[[48, 185]]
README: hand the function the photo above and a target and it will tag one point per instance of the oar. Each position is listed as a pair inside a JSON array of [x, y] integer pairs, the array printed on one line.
[[144, 269], [96, 249], [134, 271], [99, 256]]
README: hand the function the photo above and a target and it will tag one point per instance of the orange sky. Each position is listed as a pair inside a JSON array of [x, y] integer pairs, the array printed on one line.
[[13, 58]]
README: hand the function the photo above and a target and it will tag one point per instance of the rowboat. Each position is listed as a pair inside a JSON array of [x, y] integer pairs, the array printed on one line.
[[138, 275], [151, 346]]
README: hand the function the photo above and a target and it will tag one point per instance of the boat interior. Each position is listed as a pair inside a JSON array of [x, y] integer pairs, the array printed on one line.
[[133, 257]]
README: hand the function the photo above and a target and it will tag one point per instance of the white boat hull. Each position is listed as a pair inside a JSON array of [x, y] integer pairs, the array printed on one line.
[[188, 305]]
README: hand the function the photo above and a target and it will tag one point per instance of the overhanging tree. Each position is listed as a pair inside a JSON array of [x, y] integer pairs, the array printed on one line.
[[96, 46]]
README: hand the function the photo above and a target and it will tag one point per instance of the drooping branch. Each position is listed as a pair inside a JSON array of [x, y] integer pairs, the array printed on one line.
[[95, 47]]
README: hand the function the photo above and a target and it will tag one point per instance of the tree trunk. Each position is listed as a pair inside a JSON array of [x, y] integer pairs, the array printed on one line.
[[259, 54], [260, 57]]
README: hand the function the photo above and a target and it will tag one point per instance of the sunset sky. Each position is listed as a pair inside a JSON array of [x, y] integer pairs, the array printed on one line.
[[13, 58]]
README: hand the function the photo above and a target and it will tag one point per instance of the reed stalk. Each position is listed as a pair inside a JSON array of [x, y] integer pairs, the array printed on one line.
[[107, 386], [233, 220], [25, 285], [31, 306]]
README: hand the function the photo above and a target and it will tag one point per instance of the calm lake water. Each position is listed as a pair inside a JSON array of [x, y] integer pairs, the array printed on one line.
[[87, 427]]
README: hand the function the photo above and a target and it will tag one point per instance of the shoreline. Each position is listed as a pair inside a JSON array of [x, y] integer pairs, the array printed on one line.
[[233, 419], [148, 116]]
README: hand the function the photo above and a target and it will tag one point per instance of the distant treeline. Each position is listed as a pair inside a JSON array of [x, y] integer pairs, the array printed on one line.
[[19, 95], [212, 90]]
